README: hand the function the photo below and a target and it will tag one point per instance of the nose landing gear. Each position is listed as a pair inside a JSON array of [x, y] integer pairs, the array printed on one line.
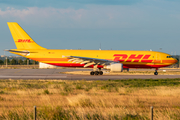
[[156, 73]]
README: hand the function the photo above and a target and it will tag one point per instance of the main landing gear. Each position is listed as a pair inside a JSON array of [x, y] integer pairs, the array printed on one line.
[[96, 72], [156, 73]]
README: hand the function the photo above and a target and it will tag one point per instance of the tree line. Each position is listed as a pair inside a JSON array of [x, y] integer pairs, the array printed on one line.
[[18, 62]]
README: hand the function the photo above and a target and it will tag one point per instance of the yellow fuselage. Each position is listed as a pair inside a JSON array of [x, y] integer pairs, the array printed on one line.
[[129, 59]]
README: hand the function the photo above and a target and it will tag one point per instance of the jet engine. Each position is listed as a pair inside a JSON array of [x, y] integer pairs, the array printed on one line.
[[115, 67]]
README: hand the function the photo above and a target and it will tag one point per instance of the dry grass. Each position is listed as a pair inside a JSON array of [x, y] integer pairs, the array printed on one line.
[[89, 99]]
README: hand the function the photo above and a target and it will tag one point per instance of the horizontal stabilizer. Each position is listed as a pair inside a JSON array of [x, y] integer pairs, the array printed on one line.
[[24, 52]]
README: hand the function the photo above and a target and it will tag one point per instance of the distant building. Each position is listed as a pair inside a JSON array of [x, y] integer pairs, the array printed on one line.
[[3, 56]]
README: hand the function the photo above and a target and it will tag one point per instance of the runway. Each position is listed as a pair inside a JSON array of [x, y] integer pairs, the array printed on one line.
[[57, 74]]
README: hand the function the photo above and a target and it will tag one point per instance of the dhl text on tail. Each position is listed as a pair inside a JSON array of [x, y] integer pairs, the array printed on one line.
[[114, 60]]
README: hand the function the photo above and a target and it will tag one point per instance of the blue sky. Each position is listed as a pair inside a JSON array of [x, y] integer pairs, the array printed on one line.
[[85, 24]]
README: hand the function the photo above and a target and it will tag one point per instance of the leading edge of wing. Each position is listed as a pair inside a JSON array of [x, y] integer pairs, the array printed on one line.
[[96, 60], [25, 51]]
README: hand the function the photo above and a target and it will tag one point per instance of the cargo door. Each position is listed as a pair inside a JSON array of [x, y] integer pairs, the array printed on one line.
[[158, 58]]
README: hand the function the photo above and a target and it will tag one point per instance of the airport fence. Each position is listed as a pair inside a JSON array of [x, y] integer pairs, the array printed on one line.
[[35, 113]]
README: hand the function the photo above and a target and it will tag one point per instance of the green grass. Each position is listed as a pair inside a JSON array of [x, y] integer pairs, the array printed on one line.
[[148, 82], [69, 86], [46, 91]]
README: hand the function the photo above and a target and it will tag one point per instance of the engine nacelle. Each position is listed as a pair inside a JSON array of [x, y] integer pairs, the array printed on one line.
[[116, 67]]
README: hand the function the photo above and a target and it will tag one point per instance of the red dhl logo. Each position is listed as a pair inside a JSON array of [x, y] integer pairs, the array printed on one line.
[[24, 41], [132, 58]]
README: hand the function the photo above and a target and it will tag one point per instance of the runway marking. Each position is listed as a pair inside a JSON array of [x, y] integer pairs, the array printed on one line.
[[17, 71]]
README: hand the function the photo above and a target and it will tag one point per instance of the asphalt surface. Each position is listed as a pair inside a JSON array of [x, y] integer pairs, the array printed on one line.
[[57, 74]]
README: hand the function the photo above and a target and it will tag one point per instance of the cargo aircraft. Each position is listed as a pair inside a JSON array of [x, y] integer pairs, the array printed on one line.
[[113, 60]]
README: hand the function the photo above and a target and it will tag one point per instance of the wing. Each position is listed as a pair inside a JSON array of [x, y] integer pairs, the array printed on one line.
[[89, 61]]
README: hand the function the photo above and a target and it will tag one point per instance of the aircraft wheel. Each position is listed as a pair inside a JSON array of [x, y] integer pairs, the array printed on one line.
[[96, 72], [92, 73], [156, 73], [100, 72]]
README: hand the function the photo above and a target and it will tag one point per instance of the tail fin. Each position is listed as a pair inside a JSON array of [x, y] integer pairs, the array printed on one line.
[[21, 38]]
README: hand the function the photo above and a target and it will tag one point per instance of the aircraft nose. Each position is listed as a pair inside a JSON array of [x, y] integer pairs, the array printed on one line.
[[175, 60]]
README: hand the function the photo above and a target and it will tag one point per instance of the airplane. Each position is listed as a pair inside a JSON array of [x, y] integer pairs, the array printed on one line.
[[113, 60]]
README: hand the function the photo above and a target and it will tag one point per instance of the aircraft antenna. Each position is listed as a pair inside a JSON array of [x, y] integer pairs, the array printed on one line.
[[100, 47]]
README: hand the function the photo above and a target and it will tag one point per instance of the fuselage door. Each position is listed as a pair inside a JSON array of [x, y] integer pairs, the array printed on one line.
[[158, 58]]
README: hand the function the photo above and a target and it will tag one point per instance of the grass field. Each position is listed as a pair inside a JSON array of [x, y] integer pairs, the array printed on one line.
[[94, 100]]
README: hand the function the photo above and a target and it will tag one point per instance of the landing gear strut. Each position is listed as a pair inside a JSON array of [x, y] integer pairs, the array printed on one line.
[[156, 73]]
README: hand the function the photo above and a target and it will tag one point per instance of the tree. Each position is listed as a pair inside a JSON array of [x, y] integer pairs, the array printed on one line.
[[20, 62], [1, 62], [26, 61], [13, 62], [34, 62]]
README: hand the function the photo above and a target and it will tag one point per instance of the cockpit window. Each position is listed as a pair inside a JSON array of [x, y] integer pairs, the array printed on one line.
[[169, 56]]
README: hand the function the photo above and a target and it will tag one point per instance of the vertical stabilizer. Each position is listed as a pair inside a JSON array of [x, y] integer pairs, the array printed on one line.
[[21, 38]]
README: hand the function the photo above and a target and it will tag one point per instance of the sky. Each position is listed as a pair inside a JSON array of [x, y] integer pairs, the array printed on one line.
[[93, 24]]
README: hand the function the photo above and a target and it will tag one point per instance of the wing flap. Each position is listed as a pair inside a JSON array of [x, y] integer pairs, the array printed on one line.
[[88, 61]]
